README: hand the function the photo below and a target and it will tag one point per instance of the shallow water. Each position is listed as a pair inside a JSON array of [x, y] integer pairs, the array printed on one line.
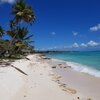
[[87, 62]]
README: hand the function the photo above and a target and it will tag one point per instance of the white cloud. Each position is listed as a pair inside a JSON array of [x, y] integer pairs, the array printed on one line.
[[95, 28], [83, 45], [92, 43], [89, 44], [53, 33], [75, 45], [75, 33], [7, 1]]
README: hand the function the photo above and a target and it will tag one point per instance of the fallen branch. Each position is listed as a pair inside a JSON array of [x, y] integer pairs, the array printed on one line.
[[19, 70], [27, 58]]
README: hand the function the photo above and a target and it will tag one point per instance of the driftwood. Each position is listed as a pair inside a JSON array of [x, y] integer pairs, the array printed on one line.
[[19, 70], [27, 58], [6, 64]]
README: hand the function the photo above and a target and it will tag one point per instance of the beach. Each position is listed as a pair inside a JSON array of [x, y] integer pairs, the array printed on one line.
[[39, 78]]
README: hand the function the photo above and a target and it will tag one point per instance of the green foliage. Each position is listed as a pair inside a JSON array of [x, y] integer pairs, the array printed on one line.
[[23, 12], [1, 31], [18, 32]]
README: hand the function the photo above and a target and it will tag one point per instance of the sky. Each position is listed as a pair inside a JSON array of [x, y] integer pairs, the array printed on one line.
[[61, 24]]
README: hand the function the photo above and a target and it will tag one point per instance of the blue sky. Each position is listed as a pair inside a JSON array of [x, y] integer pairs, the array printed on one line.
[[61, 24]]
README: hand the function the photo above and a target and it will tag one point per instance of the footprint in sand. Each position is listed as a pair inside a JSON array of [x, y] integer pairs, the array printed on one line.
[[56, 77], [62, 85], [69, 90]]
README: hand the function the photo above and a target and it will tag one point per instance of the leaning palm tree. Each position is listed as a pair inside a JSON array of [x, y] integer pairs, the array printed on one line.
[[24, 40], [22, 33], [23, 12], [18, 32], [21, 38]]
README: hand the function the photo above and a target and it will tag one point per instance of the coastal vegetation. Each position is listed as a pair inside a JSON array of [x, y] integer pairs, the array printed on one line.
[[19, 39]]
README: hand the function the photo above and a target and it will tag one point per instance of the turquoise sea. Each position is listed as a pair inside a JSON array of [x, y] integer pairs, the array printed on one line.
[[87, 62]]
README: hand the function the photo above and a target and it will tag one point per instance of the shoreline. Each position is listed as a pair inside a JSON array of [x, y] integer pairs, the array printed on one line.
[[85, 83], [44, 81], [79, 68]]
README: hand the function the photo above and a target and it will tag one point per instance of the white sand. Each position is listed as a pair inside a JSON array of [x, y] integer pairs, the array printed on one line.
[[10, 83], [38, 85]]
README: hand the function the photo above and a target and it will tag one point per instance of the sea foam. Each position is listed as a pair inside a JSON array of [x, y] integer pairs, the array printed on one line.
[[81, 68], [84, 69]]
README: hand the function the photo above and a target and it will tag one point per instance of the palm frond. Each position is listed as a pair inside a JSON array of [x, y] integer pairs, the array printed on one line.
[[28, 38]]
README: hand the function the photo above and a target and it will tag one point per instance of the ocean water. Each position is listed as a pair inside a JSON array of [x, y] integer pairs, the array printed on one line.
[[87, 62]]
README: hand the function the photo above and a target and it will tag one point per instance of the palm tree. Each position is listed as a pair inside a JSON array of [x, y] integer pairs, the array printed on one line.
[[20, 37], [18, 32], [1, 31], [23, 34], [12, 24], [3, 47], [23, 37], [23, 12]]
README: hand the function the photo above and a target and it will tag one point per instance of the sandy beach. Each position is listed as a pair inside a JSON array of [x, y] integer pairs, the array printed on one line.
[[37, 78]]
